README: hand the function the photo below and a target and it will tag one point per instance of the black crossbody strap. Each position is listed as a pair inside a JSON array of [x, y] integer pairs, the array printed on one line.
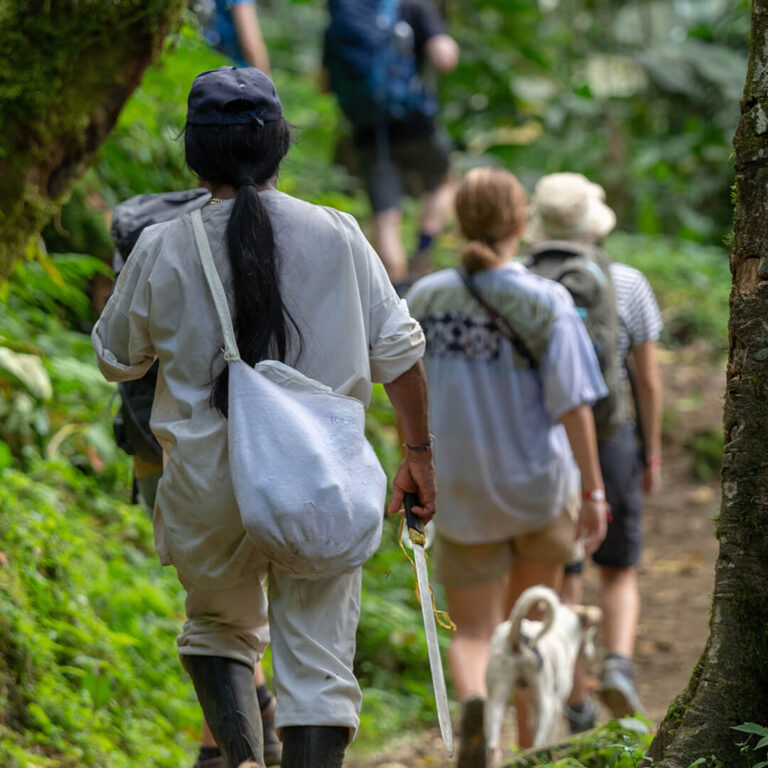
[[503, 325]]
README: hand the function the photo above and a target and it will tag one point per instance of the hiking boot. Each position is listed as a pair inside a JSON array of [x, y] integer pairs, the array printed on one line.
[[581, 717], [617, 687], [471, 733], [273, 749]]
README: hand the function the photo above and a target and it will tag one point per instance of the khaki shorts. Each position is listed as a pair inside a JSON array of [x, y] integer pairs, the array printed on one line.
[[468, 565]]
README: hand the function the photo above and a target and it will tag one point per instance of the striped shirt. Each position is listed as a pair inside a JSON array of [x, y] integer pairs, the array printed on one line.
[[639, 316]]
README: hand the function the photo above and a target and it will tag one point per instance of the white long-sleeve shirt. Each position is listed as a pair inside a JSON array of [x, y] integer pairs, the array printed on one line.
[[354, 331]]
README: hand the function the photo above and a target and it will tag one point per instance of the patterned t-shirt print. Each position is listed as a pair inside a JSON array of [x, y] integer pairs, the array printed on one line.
[[457, 335]]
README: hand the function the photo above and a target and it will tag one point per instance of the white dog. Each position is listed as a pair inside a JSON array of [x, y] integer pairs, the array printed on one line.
[[534, 659]]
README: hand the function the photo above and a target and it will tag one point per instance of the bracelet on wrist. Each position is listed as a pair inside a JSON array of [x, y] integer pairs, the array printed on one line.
[[421, 448], [595, 494], [653, 461]]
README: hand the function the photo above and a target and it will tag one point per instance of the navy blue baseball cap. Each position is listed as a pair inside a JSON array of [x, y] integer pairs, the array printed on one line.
[[233, 96]]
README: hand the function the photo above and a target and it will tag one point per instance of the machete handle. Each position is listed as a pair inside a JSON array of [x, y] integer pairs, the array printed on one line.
[[411, 500]]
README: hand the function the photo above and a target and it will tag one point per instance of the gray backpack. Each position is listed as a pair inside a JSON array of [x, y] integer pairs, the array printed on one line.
[[129, 219], [585, 271]]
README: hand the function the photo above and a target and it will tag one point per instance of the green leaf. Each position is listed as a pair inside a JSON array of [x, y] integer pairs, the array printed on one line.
[[29, 371], [6, 457], [759, 730], [634, 724], [762, 743]]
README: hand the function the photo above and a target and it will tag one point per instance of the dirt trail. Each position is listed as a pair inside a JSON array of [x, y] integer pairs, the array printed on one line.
[[675, 571]]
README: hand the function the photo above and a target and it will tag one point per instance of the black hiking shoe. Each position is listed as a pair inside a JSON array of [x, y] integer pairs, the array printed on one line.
[[581, 717], [273, 749], [471, 733]]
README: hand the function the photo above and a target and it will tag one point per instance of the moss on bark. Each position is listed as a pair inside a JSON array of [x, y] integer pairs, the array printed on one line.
[[66, 69], [730, 684]]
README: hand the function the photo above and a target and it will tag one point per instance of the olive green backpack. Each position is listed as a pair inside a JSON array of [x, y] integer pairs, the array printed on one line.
[[585, 271]]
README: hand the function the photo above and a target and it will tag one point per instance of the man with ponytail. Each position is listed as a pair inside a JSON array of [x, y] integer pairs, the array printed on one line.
[[303, 287], [512, 376]]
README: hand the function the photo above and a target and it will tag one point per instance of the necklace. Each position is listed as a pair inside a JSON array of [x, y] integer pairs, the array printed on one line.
[[218, 199]]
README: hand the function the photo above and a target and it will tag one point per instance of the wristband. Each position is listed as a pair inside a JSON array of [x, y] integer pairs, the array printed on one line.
[[422, 448], [596, 494], [653, 461]]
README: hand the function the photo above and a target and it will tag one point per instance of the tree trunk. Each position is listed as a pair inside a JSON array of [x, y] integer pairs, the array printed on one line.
[[729, 685], [66, 69]]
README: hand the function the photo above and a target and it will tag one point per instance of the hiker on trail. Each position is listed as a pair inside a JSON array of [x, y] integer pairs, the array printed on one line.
[[134, 435], [512, 377], [303, 285], [232, 28], [570, 209], [376, 53]]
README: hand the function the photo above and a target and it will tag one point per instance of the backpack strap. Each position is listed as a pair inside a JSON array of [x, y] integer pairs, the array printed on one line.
[[503, 326], [231, 352], [563, 248]]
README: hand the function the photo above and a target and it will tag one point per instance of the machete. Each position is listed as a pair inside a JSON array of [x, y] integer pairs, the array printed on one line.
[[416, 534]]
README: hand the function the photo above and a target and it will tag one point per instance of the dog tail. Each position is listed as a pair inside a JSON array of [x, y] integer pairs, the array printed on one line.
[[525, 602]]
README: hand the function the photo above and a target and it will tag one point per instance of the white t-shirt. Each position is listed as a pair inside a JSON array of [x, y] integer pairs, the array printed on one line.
[[503, 463], [355, 330]]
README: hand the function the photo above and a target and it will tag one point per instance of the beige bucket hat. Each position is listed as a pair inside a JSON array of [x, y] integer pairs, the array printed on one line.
[[568, 206]]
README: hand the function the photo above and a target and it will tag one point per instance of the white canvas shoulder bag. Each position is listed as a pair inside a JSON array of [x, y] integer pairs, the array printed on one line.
[[308, 484]]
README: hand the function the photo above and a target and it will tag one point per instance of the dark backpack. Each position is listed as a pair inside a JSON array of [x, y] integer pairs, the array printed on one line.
[[370, 56], [585, 271], [129, 218]]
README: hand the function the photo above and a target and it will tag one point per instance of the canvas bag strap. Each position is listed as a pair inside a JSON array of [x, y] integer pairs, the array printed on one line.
[[231, 352], [502, 323]]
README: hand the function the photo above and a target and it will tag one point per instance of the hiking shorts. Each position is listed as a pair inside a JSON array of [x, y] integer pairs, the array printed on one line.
[[469, 565], [414, 166], [622, 474], [312, 626]]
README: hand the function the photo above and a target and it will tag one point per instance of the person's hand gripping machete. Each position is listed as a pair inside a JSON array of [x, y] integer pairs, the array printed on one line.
[[416, 534]]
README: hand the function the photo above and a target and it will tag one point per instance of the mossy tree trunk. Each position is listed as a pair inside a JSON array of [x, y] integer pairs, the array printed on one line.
[[730, 683], [66, 69]]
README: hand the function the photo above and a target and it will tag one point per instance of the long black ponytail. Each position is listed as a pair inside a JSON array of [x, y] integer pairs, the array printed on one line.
[[246, 157]]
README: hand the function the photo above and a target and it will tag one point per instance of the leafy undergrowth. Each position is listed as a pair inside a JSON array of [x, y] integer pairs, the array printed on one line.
[[616, 744], [88, 620]]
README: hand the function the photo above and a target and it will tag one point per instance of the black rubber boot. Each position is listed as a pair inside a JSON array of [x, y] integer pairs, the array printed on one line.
[[471, 733], [314, 746], [227, 695]]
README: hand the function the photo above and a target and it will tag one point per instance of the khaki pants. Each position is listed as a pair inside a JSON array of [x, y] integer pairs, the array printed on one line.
[[468, 565], [312, 624]]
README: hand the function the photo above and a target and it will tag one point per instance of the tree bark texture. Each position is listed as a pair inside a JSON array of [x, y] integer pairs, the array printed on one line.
[[66, 69], [729, 685]]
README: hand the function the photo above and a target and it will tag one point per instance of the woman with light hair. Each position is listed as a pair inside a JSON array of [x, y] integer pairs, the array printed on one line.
[[512, 376]]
